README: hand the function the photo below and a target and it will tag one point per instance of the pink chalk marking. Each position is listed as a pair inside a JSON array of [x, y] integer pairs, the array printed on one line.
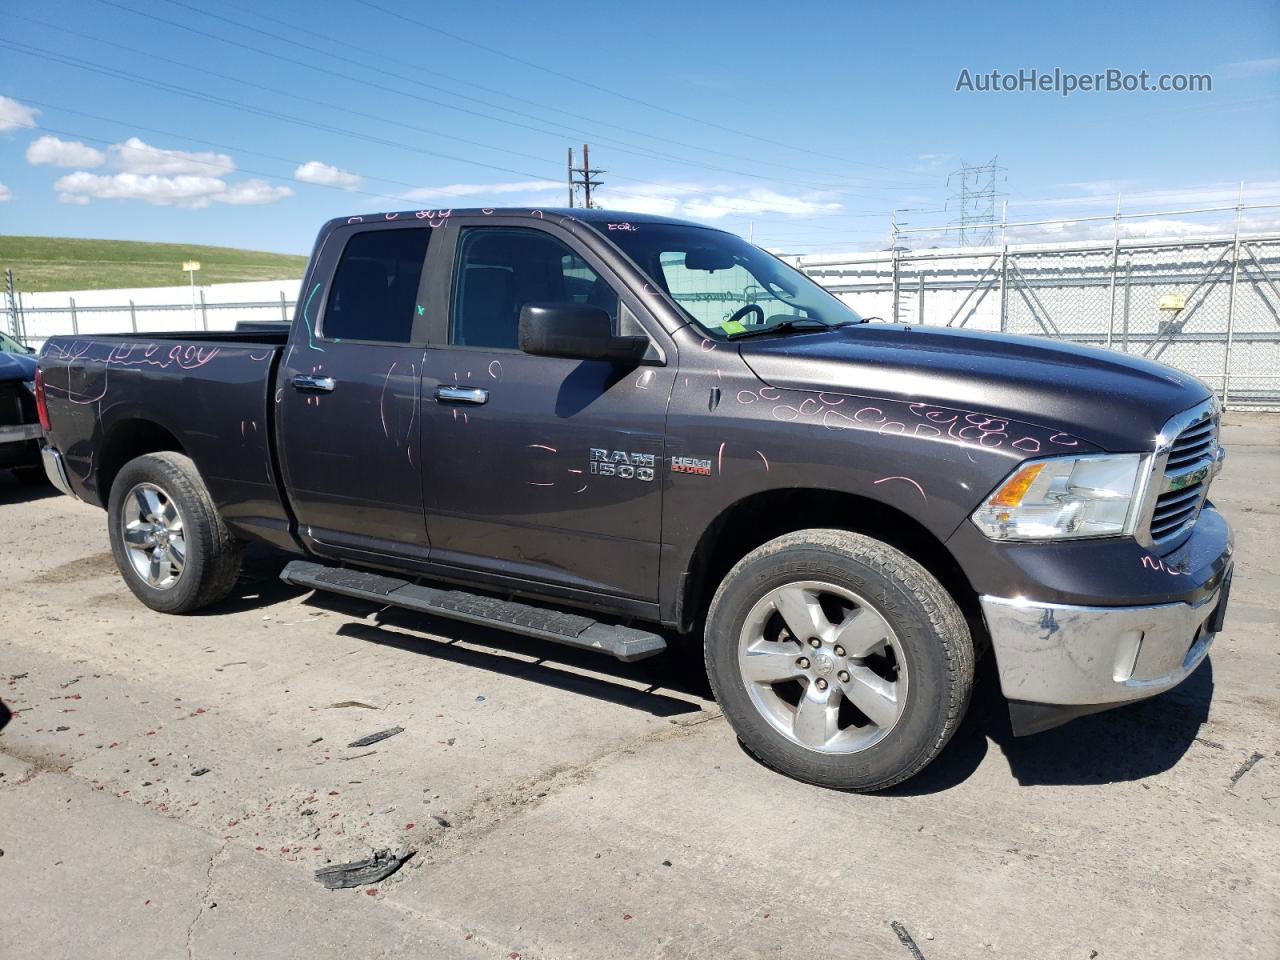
[[382, 400], [746, 393], [413, 412], [1069, 442], [720, 460], [537, 213], [534, 483], [581, 489], [707, 345], [919, 488], [1027, 445], [825, 398], [765, 396], [487, 211], [495, 369], [355, 219], [391, 216], [573, 470], [765, 459], [542, 446]]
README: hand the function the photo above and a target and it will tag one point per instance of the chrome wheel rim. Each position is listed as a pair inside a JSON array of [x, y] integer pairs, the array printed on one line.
[[154, 539], [823, 667]]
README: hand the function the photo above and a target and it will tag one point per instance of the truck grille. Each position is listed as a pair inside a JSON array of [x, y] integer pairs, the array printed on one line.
[[1191, 466]]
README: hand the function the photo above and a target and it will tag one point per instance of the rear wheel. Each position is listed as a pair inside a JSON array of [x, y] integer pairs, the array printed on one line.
[[838, 659], [171, 545]]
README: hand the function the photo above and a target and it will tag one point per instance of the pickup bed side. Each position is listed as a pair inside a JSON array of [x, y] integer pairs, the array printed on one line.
[[112, 398]]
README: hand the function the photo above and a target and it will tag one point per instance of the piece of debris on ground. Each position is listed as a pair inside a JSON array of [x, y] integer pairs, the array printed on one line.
[[905, 939], [1245, 767], [375, 737], [358, 873]]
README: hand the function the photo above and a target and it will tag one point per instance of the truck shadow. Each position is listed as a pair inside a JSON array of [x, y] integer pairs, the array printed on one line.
[[11, 491], [662, 686], [1128, 743]]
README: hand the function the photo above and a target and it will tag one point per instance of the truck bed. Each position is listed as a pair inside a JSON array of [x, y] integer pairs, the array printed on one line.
[[111, 397]]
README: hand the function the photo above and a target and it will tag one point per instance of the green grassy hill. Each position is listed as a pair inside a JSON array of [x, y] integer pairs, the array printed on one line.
[[70, 263]]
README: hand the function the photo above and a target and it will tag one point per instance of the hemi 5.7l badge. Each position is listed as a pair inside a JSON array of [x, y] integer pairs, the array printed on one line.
[[694, 465]]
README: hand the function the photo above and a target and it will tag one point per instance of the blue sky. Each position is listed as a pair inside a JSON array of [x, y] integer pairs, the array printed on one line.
[[804, 124]]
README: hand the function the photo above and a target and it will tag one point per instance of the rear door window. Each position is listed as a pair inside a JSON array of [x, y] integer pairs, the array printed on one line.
[[375, 288]]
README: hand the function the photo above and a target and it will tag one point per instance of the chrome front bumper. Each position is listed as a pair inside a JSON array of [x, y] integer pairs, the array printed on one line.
[[1065, 655], [56, 470]]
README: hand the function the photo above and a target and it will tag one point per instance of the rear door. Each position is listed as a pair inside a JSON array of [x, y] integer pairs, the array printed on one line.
[[541, 468], [349, 395]]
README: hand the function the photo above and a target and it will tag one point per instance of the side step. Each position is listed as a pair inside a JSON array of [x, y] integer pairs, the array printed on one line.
[[625, 643]]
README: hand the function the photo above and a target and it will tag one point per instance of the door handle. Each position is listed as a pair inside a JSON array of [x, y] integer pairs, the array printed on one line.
[[316, 384], [476, 395]]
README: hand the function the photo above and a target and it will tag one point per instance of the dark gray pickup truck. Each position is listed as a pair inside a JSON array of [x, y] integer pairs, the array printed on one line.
[[611, 431]]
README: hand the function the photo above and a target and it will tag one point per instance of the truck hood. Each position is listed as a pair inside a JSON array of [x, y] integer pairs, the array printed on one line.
[[17, 366], [1114, 400]]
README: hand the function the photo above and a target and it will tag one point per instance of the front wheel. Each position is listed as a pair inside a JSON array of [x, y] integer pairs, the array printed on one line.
[[838, 659], [169, 541]]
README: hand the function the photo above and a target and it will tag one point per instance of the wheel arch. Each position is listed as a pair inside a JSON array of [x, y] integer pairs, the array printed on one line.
[[762, 516], [126, 440]]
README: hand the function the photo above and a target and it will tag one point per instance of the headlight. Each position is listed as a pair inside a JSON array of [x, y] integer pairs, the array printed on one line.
[[1065, 498]]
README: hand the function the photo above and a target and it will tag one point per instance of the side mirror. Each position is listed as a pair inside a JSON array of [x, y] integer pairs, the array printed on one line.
[[575, 331]]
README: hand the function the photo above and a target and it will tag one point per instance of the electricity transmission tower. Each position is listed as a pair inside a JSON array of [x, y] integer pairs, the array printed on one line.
[[976, 195], [588, 181]]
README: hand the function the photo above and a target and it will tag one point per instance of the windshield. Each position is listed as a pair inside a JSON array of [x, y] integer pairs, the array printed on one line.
[[725, 285]]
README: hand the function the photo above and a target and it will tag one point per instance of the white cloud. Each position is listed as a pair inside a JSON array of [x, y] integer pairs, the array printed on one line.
[[5, 193], [133, 156], [711, 202], [313, 171], [1248, 69], [51, 151], [14, 114], [474, 190], [252, 193], [178, 191]]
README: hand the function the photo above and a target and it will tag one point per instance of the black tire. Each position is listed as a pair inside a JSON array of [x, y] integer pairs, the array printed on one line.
[[212, 561], [30, 476], [931, 633]]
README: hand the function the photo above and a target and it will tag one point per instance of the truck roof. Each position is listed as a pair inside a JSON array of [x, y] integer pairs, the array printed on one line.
[[434, 216]]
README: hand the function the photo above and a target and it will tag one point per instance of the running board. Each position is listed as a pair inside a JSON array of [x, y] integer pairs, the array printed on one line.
[[625, 643]]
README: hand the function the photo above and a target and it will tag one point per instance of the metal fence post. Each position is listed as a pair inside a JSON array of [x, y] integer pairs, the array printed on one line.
[[284, 309], [1004, 274], [1231, 297], [75, 325], [204, 316], [920, 299], [133, 317]]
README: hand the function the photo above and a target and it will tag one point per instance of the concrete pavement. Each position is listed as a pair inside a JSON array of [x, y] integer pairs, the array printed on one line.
[[562, 805]]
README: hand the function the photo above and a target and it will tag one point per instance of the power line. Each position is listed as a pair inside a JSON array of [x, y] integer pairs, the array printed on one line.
[[702, 121], [555, 109], [618, 145], [249, 108]]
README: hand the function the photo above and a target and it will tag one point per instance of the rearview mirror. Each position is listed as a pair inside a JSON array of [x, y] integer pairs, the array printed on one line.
[[708, 258], [575, 331]]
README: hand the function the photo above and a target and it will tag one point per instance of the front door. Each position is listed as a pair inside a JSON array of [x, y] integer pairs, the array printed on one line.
[[541, 468], [349, 397]]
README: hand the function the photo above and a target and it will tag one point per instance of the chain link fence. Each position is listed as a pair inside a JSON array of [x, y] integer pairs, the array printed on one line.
[[1208, 307]]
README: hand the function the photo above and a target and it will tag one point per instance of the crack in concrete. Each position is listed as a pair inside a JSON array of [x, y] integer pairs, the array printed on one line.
[[204, 897], [467, 830]]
